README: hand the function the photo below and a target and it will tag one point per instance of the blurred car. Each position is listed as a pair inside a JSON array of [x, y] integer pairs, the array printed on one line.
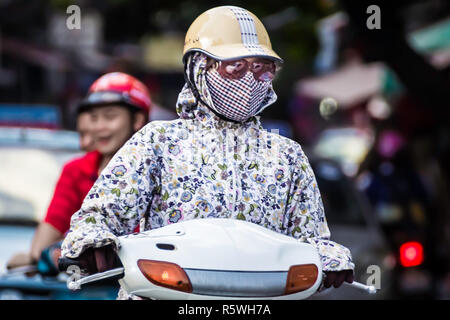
[[31, 162]]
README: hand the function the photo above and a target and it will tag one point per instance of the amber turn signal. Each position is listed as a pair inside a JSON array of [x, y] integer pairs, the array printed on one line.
[[165, 274], [301, 277]]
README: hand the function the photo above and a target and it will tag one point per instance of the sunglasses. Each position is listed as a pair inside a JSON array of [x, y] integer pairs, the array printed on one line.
[[262, 69]]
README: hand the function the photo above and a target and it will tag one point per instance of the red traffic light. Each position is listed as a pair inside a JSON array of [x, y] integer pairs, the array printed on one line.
[[411, 254]]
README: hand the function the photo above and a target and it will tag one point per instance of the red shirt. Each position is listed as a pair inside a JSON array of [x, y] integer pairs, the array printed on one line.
[[77, 178]]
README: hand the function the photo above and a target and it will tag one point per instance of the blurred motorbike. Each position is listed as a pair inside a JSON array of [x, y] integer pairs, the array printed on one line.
[[44, 281], [212, 259]]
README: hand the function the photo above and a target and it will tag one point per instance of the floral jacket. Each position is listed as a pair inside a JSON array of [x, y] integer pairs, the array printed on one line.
[[200, 166]]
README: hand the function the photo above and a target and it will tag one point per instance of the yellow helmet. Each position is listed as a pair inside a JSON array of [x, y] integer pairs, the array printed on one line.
[[227, 33]]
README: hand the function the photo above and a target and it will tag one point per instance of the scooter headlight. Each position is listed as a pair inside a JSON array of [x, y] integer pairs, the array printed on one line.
[[165, 274]]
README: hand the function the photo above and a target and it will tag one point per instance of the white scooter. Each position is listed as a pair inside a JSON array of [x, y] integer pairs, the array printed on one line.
[[215, 259]]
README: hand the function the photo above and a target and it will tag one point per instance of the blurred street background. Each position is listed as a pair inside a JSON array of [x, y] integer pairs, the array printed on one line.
[[370, 106]]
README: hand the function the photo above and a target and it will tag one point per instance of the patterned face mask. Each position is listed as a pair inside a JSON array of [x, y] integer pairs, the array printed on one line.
[[237, 100]]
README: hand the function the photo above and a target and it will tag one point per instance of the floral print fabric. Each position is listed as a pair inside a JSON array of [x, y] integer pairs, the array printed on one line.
[[200, 166]]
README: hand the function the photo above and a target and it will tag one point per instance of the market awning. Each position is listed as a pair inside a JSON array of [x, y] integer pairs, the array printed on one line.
[[349, 85]]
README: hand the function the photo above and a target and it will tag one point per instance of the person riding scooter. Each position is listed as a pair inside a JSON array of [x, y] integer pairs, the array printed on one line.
[[215, 161], [117, 105]]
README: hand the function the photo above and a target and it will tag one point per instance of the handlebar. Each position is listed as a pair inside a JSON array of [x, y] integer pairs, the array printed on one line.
[[75, 284], [64, 263], [358, 285]]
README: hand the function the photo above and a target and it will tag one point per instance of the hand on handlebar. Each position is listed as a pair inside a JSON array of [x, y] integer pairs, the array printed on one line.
[[94, 260], [337, 278]]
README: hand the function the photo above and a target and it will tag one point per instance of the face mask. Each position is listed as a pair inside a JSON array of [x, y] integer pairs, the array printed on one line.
[[237, 100]]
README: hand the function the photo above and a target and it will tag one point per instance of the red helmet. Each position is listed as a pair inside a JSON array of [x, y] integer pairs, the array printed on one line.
[[118, 87]]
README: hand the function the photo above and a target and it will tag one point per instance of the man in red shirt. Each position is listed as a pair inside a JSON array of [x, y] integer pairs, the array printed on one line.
[[118, 106]]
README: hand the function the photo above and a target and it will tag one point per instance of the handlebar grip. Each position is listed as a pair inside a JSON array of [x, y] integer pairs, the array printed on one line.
[[64, 263]]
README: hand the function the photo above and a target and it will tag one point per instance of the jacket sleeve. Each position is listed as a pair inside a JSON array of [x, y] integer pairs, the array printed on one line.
[[116, 202], [307, 221]]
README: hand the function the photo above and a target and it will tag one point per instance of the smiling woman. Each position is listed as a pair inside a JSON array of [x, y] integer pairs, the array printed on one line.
[[119, 105], [112, 126]]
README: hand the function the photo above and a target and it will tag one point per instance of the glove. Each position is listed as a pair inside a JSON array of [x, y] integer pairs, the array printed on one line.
[[94, 260], [336, 278]]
